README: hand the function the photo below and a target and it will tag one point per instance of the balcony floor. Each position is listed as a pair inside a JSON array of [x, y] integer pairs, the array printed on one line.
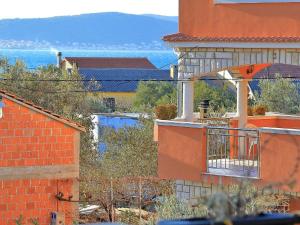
[[233, 167]]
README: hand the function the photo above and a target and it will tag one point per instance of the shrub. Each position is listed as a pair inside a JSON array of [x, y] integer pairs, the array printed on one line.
[[250, 111], [166, 112], [259, 110], [279, 95], [172, 208]]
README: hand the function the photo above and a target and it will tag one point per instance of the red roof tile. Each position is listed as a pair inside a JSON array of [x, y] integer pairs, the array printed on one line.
[[31, 105], [101, 62], [180, 37]]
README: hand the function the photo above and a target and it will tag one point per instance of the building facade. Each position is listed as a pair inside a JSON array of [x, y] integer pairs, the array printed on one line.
[[39, 158], [234, 41]]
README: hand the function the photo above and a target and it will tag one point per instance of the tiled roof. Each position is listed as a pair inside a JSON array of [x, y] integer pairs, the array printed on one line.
[[102, 62], [122, 80], [180, 37], [286, 71], [41, 110]]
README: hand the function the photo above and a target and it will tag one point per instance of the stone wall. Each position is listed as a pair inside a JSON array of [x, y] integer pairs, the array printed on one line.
[[188, 190], [201, 60]]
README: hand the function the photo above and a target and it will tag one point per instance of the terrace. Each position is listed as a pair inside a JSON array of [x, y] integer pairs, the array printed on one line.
[[257, 147]]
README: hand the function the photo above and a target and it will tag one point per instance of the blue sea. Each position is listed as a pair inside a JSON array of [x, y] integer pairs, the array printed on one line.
[[37, 58]]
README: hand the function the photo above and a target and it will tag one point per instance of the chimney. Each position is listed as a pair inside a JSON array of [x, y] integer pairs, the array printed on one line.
[[174, 72], [59, 59]]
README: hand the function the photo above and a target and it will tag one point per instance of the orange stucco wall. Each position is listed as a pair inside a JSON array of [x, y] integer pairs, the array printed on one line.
[[181, 153], [280, 160], [182, 156], [206, 19], [270, 121]]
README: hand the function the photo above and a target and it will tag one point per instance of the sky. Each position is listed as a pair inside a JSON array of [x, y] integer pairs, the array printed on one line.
[[49, 8]]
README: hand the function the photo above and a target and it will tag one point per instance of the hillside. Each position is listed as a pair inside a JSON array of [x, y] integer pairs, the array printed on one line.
[[101, 29]]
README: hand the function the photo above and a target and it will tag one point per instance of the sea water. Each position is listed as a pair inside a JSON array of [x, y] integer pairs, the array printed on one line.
[[36, 58]]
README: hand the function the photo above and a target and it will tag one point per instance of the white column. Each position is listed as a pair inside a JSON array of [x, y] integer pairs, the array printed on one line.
[[242, 114], [188, 100], [242, 103]]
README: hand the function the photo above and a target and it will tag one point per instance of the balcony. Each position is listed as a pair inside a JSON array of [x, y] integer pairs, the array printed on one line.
[[267, 151], [232, 151]]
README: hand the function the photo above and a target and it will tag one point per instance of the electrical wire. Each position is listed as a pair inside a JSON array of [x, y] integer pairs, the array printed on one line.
[[148, 80]]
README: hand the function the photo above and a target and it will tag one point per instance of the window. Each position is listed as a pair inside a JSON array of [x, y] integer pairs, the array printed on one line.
[[110, 103]]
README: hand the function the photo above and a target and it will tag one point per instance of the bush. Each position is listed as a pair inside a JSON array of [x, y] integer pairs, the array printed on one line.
[[166, 112], [250, 111], [171, 208], [279, 95], [259, 110]]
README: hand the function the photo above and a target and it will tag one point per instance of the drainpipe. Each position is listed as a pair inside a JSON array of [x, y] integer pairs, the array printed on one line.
[[188, 100]]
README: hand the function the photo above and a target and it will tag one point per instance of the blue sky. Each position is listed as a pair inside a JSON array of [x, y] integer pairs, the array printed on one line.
[[49, 8]]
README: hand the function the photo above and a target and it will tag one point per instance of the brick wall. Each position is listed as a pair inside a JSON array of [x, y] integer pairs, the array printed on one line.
[[38, 159]]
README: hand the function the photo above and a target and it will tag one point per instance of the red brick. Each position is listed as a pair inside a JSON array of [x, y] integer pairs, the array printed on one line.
[[25, 141], [3, 207]]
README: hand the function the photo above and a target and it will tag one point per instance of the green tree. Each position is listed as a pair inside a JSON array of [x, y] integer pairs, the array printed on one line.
[[131, 151], [46, 87], [153, 93], [279, 95], [221, 98]]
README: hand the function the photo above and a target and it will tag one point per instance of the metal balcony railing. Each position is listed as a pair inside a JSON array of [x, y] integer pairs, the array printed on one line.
[[233, 152]]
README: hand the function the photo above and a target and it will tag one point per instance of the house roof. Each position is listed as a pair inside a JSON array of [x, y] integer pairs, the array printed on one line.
[[122, 80], [285, 70], [103, 62], [180, 37], [41, 110]]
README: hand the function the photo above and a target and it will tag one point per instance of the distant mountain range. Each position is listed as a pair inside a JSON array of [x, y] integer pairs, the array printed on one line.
[[98, 30]]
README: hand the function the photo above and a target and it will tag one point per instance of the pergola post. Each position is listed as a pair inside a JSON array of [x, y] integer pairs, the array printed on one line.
[[188, 100], [242, 114], [242, 103]]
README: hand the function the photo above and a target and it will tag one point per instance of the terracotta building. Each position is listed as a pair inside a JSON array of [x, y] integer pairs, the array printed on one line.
[[39, 158], [234, 40]]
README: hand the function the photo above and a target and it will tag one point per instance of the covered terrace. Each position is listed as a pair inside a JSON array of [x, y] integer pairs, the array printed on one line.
[[242, 148]]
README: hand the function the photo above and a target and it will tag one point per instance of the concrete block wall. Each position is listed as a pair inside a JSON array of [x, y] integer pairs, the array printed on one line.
[[201, 60], [189, 191], [39, 157]]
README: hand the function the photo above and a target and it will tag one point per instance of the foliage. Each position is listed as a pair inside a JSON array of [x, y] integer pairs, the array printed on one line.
[[279, 95], [68, 99], [151, 94], [123, 176], [250, 110], [240, 200], [221, 98], [237, 200], [19, 221], [128, 217], [131, 151], [34, 221], [166, 112], [171, 208], [259, 110]]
